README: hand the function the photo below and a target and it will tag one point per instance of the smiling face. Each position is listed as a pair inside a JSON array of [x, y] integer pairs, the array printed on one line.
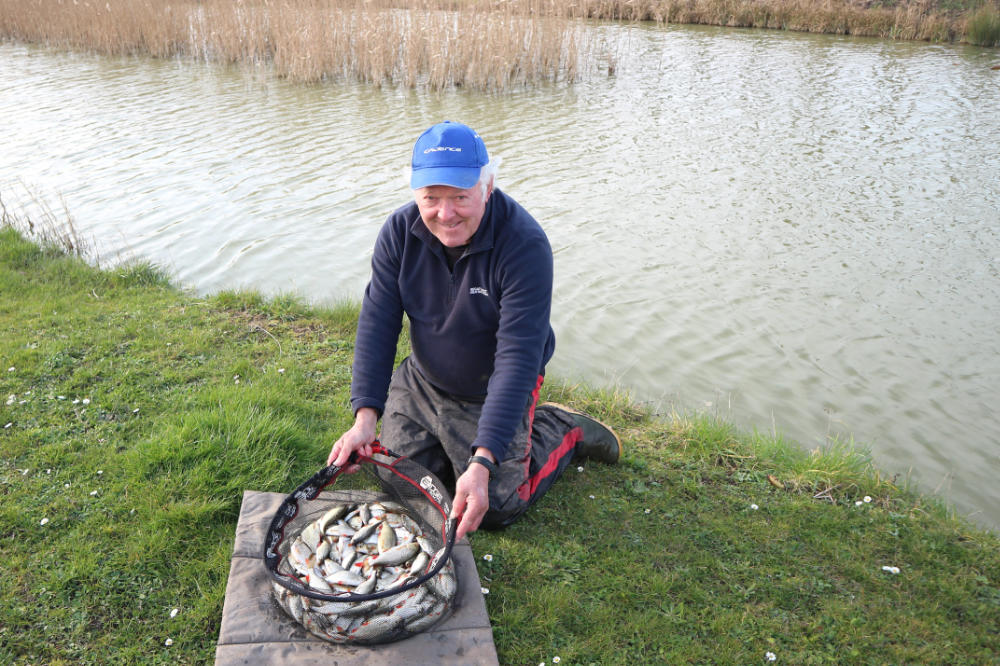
[[452, 214]]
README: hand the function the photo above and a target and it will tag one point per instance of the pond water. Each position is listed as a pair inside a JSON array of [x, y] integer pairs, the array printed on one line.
[[797, 233]]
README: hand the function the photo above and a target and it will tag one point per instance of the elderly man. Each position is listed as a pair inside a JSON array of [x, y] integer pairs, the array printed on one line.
[[472, 270]]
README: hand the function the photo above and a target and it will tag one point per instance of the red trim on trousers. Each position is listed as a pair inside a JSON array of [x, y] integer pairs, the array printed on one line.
[[522, 489], [565, 448], [530, 485]]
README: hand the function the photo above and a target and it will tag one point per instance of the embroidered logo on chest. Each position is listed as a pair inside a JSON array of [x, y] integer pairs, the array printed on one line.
[[478, 290]]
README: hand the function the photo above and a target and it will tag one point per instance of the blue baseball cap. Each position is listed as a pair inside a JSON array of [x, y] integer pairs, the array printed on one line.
[[448, 154]]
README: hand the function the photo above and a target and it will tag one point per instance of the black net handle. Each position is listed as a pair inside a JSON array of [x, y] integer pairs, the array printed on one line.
[[309, 491]]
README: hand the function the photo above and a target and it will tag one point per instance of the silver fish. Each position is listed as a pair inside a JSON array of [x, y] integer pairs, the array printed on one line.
[[411, 525], [362, 608], [427, 620], [364, 532], [311, 536], [425, 544], [354, 520], [419, 563], [386, 537], [377, 510], [330, 609], [301, 557], [348, 578], [367, 585], [358, 549], [398, 555], [394, 519], [295, 607], [347, 560], [317, 582], [333, 514], [310, 623], [374, 628], [340, 529], [323, 550], [442, 584], [330, 566], [416, 603]]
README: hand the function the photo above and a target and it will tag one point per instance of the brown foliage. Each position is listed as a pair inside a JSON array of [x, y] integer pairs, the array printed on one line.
[[310, 40], [489, 44]]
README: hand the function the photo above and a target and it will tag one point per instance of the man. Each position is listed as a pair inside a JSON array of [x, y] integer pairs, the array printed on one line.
[[472, 270]]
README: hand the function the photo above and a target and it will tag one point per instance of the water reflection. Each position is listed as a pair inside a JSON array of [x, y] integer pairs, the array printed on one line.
[[796, 232]]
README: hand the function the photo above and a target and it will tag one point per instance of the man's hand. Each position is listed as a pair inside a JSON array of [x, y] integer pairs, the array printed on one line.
[[358, 438], [472, 499]]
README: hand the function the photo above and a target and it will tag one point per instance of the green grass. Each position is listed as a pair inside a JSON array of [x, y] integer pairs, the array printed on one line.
[[169, 406]]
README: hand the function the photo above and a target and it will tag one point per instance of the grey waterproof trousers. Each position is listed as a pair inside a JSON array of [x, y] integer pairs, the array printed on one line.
[[436, 430]]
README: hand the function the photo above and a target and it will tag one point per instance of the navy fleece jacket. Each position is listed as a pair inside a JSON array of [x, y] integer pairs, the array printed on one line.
[[479, 332]]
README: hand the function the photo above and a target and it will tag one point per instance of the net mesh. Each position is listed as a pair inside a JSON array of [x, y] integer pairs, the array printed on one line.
[[365, 566]]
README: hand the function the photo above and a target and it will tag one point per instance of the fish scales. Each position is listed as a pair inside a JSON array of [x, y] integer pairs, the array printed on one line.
[[386, 537], [398, 555], [356, 549]]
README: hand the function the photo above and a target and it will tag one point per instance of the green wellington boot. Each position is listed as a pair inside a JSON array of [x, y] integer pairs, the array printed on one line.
[[599, 441]]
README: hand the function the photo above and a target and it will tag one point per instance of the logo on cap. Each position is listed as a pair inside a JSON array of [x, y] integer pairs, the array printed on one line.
[[450, 154]]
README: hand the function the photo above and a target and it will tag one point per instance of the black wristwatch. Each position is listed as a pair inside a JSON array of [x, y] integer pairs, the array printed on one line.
[[485, 462]]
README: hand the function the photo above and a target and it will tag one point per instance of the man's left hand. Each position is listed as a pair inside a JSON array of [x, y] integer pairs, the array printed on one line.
[[472, 499]]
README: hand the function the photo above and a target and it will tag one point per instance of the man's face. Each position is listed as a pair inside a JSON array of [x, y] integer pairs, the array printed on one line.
[[450, 213]]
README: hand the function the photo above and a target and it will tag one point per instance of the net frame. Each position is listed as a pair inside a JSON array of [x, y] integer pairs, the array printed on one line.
[[392, 472]]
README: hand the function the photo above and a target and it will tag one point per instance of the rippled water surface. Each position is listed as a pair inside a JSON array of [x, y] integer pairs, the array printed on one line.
[[798, 233]]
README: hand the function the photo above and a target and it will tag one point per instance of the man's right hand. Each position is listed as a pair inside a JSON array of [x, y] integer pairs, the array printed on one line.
[[358, 438]]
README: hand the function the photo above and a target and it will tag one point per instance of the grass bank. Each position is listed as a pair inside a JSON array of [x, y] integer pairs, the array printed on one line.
[[481, 44], [134, 415]]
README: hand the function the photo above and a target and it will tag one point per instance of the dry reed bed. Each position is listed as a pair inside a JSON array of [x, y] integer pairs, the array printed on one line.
[[483, 44], [311, 40], [910, 20]]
